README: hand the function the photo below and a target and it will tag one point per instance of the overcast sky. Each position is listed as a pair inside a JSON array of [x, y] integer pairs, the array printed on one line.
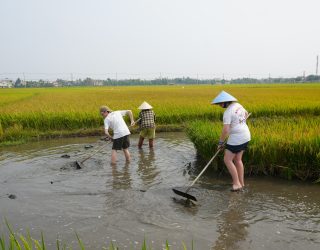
[[151, 38]]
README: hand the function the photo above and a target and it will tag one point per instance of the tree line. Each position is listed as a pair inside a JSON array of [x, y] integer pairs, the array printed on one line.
[[159, 81]]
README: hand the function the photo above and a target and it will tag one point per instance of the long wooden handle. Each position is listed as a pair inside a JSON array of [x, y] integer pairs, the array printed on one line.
[[92, 154], [135, 122], [204, 169]]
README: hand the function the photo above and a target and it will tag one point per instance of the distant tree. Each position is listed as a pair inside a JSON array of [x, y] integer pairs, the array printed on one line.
[[313, 78], [88, 82], [17, 84]]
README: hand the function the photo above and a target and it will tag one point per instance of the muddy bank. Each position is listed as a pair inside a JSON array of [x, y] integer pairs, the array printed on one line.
[[26, 135]]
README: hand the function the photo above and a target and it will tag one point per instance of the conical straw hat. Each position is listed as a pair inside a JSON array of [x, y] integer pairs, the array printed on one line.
[[223, 97], [145, 105]]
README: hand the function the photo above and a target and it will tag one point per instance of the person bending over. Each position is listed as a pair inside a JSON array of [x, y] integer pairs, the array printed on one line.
[[114, 120]]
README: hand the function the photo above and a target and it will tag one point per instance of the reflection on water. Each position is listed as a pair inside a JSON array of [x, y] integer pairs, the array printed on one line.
[[232, 224], [147, 169], [120, 176], [126, 202]]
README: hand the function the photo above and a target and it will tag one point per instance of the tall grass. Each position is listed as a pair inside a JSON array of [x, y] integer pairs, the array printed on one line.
[[289, 147], [19, 241], [34, 113]]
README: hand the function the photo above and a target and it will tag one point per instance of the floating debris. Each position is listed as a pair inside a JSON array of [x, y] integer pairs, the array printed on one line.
[[188, 164], [88, 146], [70, 166], [65, 156], [12, 196]]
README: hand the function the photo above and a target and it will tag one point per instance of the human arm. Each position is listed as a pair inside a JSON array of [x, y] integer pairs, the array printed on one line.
[[129, 113], [224, 135], [106, 129], [108, 136]]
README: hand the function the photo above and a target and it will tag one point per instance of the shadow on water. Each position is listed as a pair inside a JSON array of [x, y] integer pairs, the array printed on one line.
[[125, 202]]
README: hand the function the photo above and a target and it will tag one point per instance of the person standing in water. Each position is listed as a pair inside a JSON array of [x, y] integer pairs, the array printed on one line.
[[238, 134], [146, 124], [114, 120]]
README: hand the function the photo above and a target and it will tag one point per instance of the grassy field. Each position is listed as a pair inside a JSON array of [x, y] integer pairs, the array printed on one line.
[[54, 109], [284, 123]]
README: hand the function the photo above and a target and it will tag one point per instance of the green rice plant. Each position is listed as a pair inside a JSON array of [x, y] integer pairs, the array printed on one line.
[[184, 246], [80, 242], [59, 245], [14, 243], [62, 109], [167, 245], [14, 133], [1, 130], [144, 245], [2, 243], [287, 147], [28, 243], [167, 100]]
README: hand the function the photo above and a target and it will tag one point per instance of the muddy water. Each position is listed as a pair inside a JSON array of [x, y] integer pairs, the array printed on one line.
[[125, 203]]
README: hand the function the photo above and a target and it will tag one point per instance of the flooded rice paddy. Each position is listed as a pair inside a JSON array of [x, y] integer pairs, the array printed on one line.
[[42, 191]]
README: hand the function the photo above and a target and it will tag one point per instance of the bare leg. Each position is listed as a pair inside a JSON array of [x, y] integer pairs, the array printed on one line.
[[150, 143], [239, 166], [140, 141], [127, 155], [113, 156], [228, 160]]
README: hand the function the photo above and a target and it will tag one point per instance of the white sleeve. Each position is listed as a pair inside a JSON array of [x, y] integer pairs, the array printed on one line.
[[123, 112], [227, 117], [106, 123]]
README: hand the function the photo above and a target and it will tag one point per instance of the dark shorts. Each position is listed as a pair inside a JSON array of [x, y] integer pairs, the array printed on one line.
[[237, 148], [121, 143]]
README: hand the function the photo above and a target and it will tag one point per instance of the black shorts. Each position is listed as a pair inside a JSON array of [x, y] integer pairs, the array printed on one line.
[[237, 148], [121, 143]]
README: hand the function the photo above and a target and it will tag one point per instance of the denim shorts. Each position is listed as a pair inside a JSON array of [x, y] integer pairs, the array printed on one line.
[[237, 148]]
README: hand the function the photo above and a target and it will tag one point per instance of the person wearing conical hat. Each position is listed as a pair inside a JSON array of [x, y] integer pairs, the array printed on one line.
[[114, 120], [238, 134], [146, 124]]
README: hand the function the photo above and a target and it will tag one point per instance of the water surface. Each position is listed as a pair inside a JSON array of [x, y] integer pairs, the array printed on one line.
[[127, 202]]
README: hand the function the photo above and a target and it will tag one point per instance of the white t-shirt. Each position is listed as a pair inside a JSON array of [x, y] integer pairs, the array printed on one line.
[[115, 121], [235, 115]]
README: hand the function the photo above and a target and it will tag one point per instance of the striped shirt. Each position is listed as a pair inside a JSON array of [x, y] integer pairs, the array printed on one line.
[[147, 119]]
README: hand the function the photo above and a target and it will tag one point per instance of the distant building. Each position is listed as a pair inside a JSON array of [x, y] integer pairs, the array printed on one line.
[[97, 83], [56, 84], [6, 83]]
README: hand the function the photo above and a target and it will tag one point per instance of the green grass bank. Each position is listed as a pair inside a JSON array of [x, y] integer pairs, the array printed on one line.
[[286, 147]]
